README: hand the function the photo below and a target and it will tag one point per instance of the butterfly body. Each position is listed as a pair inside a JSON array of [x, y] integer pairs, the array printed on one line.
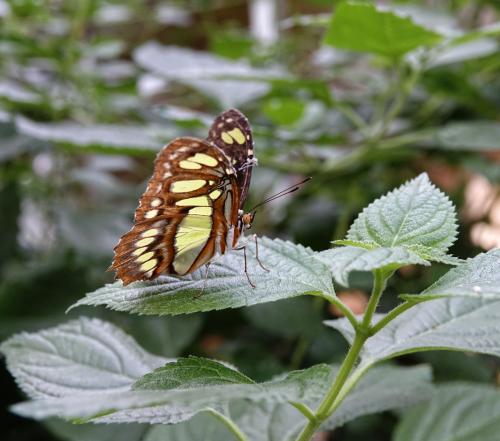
[[192, 207]]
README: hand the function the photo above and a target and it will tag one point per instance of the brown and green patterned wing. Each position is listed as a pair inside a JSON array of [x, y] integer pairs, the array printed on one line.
[[185, 215], [232, 134]]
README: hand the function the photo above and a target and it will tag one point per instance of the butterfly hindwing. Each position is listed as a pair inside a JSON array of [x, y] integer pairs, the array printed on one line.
[[232, 134], [184, 216]]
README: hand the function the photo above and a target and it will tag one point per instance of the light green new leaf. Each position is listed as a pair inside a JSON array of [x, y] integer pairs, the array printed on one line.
[[81, 356], [454, 323], [461, 411], [364, 28], [416, 216], [191, 372], [343, 260], [294, 271], [476, 277]]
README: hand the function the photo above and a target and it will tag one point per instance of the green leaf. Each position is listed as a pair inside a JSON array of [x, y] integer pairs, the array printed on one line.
[[93, 432], [364, 28], [191, 372], [346, 259], [476, 277], [109, 138], [79, 357], [294, 271], [460, 411], [173, 405], [454, 323], [416, 216], [470, 135]]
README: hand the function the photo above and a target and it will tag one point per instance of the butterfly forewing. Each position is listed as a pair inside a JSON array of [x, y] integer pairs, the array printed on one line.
[[232, 134], [185, 215]]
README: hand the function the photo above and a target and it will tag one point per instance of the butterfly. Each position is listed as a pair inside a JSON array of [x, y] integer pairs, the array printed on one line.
[[192, 208]]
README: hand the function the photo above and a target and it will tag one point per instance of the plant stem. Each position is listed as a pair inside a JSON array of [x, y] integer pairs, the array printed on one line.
[[378, 288], [343, 383], [322, 413], [235, 430]]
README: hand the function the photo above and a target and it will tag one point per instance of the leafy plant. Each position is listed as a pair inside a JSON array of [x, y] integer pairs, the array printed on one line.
[[89, 371]]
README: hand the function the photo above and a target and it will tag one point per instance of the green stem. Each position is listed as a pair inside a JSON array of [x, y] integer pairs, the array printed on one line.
[[322, 413], [234, 429], [378, 288], [343, 383], [299, 352], [346, 311]]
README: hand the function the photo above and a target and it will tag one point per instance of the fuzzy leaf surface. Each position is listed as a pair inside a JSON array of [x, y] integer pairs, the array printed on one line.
[[343, 260], [363, 27], [416, 216], [461, 411], [294, 271]]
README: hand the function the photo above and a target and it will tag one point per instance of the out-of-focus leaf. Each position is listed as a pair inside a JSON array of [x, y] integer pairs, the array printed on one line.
[[294, 271], [466, 135], [230, 82], [466, 51], [288, 318], [362, 27], [283, 111], [113, 138], [459, 411]]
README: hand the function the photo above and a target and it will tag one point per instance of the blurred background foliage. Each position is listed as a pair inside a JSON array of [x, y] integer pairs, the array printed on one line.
[[91, 89]]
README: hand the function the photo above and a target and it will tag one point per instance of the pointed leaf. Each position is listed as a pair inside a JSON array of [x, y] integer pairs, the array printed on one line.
[[477, 277], [362, 27], [468, 412], [415, 215], [83, 356], [294, 271], [350, 258], [186, 373]]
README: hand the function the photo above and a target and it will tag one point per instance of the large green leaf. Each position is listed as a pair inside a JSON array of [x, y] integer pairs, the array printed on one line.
[[455, 323], [79, 357], [294, 271], [477, 277], [465, 412], [365, 28], [416, 216], [342, 261]]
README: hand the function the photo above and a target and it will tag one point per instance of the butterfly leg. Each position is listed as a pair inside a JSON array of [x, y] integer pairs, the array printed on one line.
[[257, 253], [244, 248]]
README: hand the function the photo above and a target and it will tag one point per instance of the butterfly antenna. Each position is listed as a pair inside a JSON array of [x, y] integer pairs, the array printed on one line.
[[284, 192]]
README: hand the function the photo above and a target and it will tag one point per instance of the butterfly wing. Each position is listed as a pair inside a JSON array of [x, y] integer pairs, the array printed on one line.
[[184, 216], [232, 134]]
